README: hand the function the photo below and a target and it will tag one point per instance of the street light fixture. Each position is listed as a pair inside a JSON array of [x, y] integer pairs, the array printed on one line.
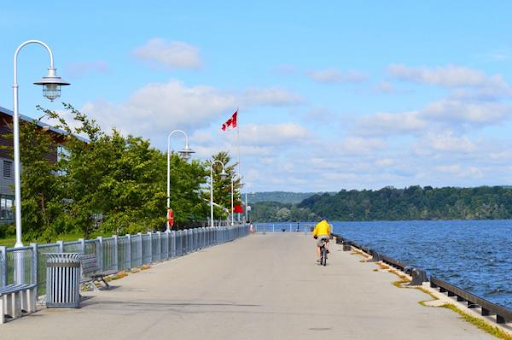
[[51, 90], [51, 84], [185, 153], [223, 176]]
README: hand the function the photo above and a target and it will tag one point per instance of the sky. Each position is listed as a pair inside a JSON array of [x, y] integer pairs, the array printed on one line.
[[331, 94]]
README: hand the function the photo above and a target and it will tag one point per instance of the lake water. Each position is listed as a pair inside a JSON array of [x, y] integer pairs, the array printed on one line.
[[473, 255]]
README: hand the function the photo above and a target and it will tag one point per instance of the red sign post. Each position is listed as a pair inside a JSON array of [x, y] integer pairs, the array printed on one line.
[[170, 218]]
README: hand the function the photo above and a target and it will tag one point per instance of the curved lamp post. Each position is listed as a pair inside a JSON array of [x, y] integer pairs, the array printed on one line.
[[232, 202], [51, 90], [185, 153], [223, 175]]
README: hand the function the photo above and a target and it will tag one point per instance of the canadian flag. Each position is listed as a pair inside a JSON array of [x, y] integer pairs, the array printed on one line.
[[231, 122]]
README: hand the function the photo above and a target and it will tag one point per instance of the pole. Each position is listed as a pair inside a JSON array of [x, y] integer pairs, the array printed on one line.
[[19, 272], [168, 229], [213, 161], [238, 132], [246, 209], [232, 204], [211, 194]]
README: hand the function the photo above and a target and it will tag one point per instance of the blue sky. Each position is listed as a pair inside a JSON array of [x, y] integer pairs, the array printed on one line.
[[332, 95]]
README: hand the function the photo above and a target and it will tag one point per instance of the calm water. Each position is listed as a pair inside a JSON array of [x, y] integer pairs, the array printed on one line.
[[473, 255]]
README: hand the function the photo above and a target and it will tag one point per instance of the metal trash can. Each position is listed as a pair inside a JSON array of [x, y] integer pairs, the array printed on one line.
[[63, 280]]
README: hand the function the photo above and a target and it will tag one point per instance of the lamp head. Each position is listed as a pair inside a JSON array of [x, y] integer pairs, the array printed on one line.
[[223, 175], [186, 153], [51, 84]]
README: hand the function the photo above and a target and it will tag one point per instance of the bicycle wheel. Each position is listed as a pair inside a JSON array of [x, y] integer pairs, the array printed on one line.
[[323, 257]]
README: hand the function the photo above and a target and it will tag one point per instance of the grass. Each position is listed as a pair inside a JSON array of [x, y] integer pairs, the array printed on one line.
[[493, 330], [478, 322], [423, 302], [403, 279], [382, 265], [9, 241]]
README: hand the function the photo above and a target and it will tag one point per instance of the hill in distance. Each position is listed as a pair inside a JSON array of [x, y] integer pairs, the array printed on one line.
[[280, 196]]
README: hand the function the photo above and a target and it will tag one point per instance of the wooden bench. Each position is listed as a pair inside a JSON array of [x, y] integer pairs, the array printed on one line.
[[91, 273], [16, 299]]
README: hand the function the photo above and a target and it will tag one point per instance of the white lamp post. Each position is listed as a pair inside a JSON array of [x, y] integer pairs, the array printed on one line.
[[185, 154], [232, 203], [51, 90], [223, 175]]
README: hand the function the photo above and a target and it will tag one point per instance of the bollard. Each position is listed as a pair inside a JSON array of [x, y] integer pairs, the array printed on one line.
[[346, 246], [418, 277], [376, 257]]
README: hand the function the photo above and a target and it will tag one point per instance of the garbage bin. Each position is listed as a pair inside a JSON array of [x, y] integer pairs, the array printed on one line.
[[63, 280]]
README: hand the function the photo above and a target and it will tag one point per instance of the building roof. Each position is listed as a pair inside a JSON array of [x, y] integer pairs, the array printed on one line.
[[41, 124]]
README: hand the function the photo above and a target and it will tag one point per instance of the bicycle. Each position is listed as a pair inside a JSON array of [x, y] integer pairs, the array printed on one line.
[[323, 253]]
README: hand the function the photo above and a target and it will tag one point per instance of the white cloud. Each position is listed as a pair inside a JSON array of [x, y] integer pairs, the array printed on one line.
[[448, 142], [171, 54], [443, 114], [275, 134], [161, 107], [476, 113], [451, 168], [448, 76], [388, 124], [383, 162], [74, 70], [333, 75], [270, 97], [460, 171], [359, 145], [386, 87]]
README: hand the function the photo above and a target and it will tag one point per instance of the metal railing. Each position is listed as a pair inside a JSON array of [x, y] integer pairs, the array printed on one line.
[[114, 253], [287, 227], [503, 314]]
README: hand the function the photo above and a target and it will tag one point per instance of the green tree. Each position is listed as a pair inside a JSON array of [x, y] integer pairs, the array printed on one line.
[[222, 187]]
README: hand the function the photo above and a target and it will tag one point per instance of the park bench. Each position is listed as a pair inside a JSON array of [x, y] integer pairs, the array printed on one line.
[[14, 299], [91, 272]]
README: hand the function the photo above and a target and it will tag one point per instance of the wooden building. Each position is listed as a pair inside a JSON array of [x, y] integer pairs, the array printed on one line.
[[7, 163]]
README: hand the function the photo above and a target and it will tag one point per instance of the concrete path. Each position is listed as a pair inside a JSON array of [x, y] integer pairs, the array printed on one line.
[[260, 287]]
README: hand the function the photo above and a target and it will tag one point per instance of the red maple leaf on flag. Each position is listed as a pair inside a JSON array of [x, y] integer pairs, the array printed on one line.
[[231, 122]]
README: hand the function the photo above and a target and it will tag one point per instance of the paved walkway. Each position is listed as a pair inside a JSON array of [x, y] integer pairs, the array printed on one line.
[[260, 287]]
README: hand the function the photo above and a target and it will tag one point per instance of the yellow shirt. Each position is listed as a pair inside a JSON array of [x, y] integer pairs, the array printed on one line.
[[322, 228]]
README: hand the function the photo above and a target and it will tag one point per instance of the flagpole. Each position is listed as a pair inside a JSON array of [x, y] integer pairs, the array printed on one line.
[[238, 130]]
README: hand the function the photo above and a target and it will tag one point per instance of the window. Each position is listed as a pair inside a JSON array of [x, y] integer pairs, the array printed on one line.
[[7, 169], [6, 203]]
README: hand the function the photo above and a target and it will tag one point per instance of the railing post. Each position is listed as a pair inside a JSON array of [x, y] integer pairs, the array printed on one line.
[[129, 251], [35, 261], [99, 253], [166, 250], [116, 257], [150, 247], [140, 250], [60, 244], [82, 245], [159, 245], [3, 266], [173, 243]]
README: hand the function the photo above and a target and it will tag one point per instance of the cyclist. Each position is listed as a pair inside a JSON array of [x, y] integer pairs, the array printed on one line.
[[321, 232]]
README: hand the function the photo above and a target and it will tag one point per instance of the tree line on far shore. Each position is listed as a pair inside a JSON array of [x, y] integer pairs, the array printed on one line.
[[109, 183], [391, 204]]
